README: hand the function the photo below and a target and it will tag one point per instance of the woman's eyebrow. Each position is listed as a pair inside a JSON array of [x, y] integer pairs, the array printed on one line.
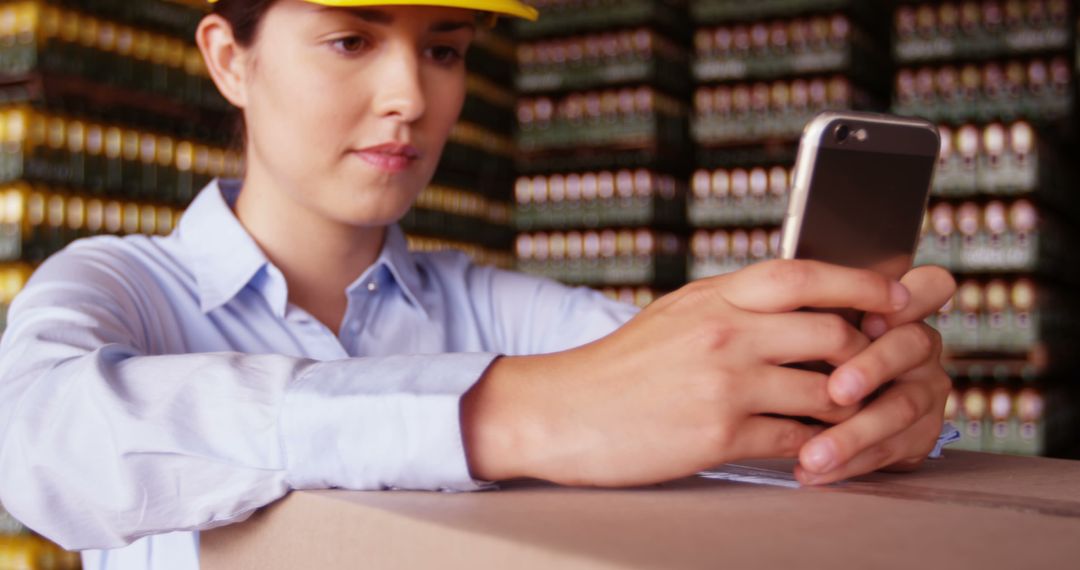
[[383, 18], [452, 26]]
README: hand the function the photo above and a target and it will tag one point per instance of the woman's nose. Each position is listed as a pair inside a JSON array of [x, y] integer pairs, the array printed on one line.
[[399, 90]]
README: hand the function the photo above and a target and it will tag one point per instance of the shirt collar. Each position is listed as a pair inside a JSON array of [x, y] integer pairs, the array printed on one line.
[[225, 258], [402, 267]]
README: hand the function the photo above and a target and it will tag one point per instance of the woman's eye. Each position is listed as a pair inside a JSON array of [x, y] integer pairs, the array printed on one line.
[[349, 45], [445, 55]]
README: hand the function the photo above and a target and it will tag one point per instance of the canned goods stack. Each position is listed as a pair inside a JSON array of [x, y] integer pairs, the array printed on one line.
[[109, 123], [999, 419], [999, 78], [467, 206], [25, 551], [763, 70], [604, 148]]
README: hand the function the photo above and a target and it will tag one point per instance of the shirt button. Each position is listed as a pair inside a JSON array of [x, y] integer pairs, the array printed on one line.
[[372, 286]]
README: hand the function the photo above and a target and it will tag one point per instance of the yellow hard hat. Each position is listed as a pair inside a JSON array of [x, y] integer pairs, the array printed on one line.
[[502, 7]]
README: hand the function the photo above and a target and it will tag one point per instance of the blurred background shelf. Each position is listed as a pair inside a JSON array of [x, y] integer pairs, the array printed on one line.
[[626, 145]]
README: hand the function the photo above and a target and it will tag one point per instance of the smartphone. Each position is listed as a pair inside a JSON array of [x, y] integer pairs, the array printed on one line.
[[861, 185], [860, 190]]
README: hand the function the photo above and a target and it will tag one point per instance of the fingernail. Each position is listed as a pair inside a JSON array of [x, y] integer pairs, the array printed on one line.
[[847, 387], [899, 296], [818, 456], [875, 326]]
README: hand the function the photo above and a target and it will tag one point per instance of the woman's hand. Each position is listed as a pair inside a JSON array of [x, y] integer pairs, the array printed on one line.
[[685, 385], [901, 425]]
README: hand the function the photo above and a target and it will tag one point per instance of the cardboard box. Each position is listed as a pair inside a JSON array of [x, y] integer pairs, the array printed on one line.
[[969, 510]]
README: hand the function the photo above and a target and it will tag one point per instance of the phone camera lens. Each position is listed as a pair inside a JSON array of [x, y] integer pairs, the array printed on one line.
[[842, 133]]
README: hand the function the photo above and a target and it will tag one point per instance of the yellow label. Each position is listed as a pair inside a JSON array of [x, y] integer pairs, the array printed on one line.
[[1023, 295], [194, 63], [130, 146], [107, 37], [997, 296], [166, 151], [131, 218], [14, 205], [35, 209], [164, 221], [148, 219], [69, 27], [114, 142], [27, 21], [76, 213], [14, 130], [89, 32], [57, 131], [125, 40], [95, 216], [216, 163], [7, 22], [185, 156], [36, 130], [174, 53], [147, 149], [56, 210], [202, 159], [140, 48], [234, 164], [95, 140], [76, 137], [50, 22], [114, 217], [159, 50]]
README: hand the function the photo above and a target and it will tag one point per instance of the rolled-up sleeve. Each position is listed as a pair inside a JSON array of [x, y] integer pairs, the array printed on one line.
[[403, 410]]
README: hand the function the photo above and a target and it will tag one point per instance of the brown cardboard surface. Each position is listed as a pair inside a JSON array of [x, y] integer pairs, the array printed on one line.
[[965, 511]]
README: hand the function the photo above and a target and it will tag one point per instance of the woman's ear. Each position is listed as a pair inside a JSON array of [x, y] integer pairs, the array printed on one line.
[[226, 60]]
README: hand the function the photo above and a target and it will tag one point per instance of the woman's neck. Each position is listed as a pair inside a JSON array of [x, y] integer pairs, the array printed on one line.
[[319, 257]]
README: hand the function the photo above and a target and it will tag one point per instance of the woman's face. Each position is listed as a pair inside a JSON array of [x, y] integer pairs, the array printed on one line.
[[347, 110]]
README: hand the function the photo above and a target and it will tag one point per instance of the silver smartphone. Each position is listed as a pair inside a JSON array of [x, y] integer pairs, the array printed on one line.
[[860, 190], [861, 185]]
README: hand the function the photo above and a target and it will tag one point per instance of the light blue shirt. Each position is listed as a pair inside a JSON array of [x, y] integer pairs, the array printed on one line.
[[151, 387]]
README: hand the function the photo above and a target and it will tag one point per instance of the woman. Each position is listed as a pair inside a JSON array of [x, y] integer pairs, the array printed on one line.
[[283, 338]]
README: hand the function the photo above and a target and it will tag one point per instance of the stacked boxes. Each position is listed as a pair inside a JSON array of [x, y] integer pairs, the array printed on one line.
[[763, 70], [602, 135], [467, 207], [109, 123], [977, 30], [606, 257], [999, 419], [999, 78], [718, 252], [639, 296], [1037, 88], [26, 551], [101, 65]]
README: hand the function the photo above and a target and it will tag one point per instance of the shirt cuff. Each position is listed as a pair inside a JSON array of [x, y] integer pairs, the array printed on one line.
[[380, 423]]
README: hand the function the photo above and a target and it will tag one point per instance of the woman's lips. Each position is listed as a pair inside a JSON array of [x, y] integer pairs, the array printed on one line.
[[389, 157]]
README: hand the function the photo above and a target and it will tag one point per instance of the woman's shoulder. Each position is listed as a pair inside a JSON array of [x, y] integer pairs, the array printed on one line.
[[128, 261]]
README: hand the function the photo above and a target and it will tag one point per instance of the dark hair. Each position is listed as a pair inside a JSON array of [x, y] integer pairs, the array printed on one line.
[[244, 16]]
